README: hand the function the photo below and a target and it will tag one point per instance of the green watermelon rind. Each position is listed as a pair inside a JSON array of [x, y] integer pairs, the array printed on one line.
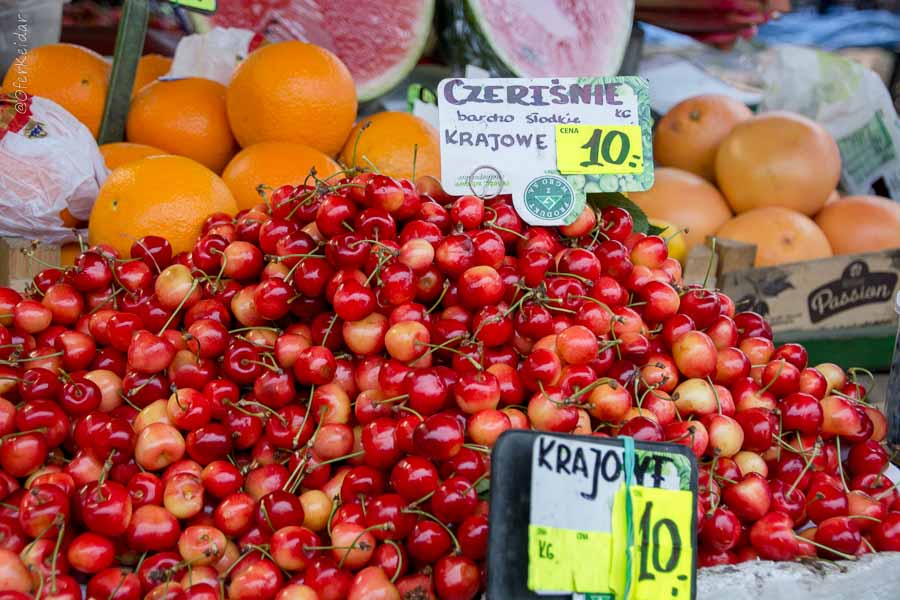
[[389, 79], [496, 59]]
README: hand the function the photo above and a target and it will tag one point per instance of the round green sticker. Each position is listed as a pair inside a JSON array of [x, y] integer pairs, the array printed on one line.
[[549, 197]]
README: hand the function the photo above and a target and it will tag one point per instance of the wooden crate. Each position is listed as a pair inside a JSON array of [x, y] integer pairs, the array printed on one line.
[[17, 268]]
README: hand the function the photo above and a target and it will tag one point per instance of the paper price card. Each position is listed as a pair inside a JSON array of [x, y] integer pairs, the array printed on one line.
[[578, 523], [549, 142]]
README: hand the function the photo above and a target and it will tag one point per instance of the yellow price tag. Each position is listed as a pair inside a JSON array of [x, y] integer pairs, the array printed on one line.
[[665, 557], [549, 567], [662, 557], [599, 149], [206, 6], [591, 554]]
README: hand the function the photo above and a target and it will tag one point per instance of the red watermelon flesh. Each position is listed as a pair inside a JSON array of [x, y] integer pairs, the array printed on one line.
[[380, 42], [546, 38]]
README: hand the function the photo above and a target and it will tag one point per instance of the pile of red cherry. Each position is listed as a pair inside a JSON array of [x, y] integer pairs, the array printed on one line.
[[302, 407]]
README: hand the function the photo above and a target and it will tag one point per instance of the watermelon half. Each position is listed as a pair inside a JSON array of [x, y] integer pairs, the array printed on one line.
[[380, 42], [538, 38]]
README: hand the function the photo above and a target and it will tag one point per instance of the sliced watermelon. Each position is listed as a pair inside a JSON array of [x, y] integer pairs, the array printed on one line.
[[380, 42], [538, 38]]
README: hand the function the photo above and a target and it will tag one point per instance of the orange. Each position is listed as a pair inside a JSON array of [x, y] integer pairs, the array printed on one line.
[[781, 235], [68, 253], [857, 224], [69, 220], [686, 201], [74, 77], [169, 196], [150, 68], [292, 92], [117, 154], [273, 164], [778, 159], [688, 136], [389, 143], [185, 117]]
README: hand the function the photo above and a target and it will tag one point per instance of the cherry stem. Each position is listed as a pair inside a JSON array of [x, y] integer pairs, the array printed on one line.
[[471, 360], [9, 436], [478, 448], [399, 560], [56, 550], [340, 458], [583, 280], [13, 363], [837, 445], [824, 547], [328, 331], [766, 387], [422, 513], [268, 409], [439, 298], [803, 472], [432, 348], [392, 399], [274, 369], [887, 491], [715, 392], [379, 527], [356, 142], [411, 410], [179, 307], [259, 327]]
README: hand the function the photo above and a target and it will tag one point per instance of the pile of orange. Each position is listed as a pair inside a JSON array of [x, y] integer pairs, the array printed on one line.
[[194, 146], [768, 180]]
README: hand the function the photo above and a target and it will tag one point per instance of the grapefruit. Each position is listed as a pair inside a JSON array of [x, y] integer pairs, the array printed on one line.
[[781, 235], [688, 136], [389, 141], [292, 92], [185, 117], [552, 38], [778, 159], [273, 164], [74, 77], [686, 201], [379, 43], [169, 196], [857, 224]]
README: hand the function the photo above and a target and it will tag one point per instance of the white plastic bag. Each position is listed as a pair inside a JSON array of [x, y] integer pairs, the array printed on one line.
[[852, 103], [49, 162], [212, 55]]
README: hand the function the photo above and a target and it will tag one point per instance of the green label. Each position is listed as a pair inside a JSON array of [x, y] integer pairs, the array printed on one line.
[[203, 6], [549, 197]]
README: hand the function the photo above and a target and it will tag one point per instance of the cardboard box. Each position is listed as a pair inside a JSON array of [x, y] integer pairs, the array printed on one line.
[[21, 260], [842, 307]]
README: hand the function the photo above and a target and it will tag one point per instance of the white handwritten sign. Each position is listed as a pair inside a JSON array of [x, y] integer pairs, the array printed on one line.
[[548, 142], [577, 522]]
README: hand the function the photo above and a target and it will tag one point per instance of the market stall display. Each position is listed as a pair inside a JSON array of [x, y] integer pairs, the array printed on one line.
[[281, 361]]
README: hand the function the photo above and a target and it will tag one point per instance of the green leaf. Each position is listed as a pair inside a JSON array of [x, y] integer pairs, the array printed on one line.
[[602, 200], [655, 229], [483, 488]]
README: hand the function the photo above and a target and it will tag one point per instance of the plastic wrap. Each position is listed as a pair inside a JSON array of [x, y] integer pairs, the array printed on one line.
[[212, 55], [49, 162]]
